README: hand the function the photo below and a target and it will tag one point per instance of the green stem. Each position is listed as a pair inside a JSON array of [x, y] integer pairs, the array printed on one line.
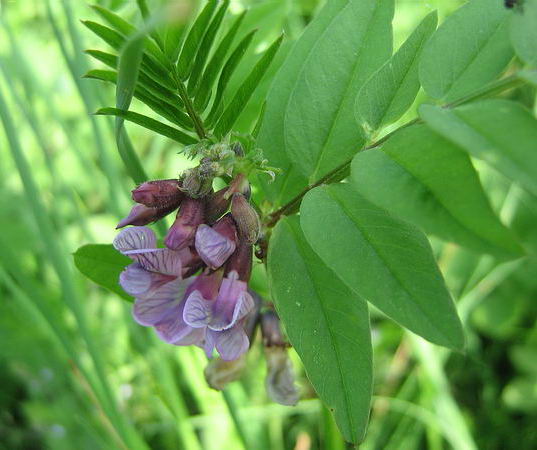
[[342, 171], [198, 122]]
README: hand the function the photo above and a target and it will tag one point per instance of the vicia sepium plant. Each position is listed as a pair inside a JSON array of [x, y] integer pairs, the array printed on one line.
[[357, 155]]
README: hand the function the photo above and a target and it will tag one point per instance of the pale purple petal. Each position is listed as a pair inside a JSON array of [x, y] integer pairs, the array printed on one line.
[[155, 305], [160, 260], [232, 304], [195, 337], [210, 341], [173, 328], [135, 280], [213, 248], [198, 311], [135, 238], [232, 343]]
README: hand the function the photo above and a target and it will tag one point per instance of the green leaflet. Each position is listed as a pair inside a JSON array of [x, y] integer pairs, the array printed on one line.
[[524, 31], [423, 178], [500, 132], [391, 90], [150, 124], [271, 132], [468, 50], [193, 40], [386, 261], [245, 91], [320, 129], [327, 324], [102, 264]]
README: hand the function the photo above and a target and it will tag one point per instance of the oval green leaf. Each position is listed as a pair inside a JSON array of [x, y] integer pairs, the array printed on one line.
[[327, 324], [385, 260], [500, 132], [468, 50], [425, 179]]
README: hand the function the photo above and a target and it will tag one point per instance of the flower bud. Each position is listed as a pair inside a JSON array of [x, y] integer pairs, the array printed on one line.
[[246, 218], [195, 184], [271, 330], [217, 205], [280, 380], [159, 193], [182, 232], [142, 215], [220, 373], [241, 261]]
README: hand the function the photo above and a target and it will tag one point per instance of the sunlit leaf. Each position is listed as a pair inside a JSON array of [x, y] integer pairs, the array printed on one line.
[[524, 31], [390, 91], [327, 324], [500, 132], [468, 50], [425, 179], [320, 128], [102, 264], [386, 261]]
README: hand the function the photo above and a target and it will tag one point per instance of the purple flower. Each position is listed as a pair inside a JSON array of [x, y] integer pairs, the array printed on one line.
[[221, 316], [155, 280]]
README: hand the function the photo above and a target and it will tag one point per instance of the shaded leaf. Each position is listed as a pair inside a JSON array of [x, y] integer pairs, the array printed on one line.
[[327, 324], [150, 124], [468, 50], [500, 132], [423, 178], [245, 91], [391, 90], [523, 31], [320, 128], [384, 260], [102, 264]]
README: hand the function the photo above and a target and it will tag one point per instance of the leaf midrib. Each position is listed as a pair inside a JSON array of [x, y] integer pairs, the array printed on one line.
[[350, 415]]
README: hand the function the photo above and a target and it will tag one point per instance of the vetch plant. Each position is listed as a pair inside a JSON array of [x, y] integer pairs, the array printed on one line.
[[335, 187]]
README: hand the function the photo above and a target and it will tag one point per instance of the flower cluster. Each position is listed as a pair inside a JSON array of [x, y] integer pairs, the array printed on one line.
[[212, 236]]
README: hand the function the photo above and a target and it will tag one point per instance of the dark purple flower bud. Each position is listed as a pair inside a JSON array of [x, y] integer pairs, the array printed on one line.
[[241, 261], [182, 232], [142, 215], [217, 205], [215, 245], [159, 193], [246, 218]]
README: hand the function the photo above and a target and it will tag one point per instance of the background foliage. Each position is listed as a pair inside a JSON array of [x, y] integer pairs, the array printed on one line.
[[76, 371]]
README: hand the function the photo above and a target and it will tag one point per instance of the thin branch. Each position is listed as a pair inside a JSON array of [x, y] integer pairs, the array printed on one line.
[[342, 171]]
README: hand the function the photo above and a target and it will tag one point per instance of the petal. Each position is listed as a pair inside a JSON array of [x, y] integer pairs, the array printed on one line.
[[155, 305], [195, 337], [232, 343], [213, 248], [210, 340], [135, 238], [135, 280], [280, 381], [173, 328], [160, 260], [232, 304], [198, 311]]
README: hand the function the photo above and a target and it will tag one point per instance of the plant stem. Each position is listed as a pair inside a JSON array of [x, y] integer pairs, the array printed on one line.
[[198, 122], [342, 171]]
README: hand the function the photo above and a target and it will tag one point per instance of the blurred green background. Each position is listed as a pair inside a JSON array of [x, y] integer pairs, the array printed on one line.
[[77, 372]]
